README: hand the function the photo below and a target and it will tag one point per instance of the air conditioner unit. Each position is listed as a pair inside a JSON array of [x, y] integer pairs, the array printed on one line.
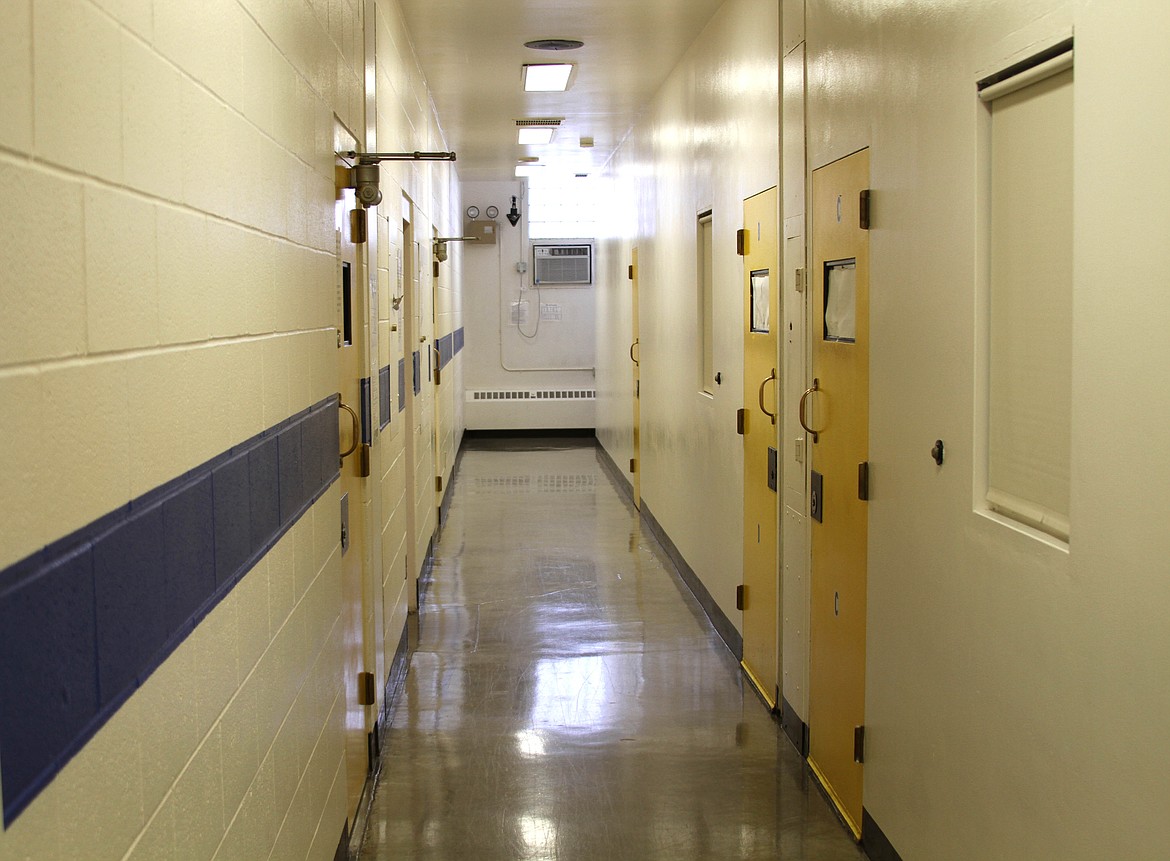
[[562, 264]]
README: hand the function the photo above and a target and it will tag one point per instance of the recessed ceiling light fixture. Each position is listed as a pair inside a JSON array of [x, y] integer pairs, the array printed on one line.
[[547, 77], [535, 136], [554, 44]]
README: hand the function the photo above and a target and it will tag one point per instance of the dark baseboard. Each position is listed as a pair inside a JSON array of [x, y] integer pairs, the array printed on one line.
[[874, 842], [472, 434], [426, 573], [621, 480], [396, 676], [723, 626], [794, 727], [392, 693], [449, 491], [342, 851]]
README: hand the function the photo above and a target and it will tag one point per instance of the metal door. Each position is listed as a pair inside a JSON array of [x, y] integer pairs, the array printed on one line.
[[835, 411]]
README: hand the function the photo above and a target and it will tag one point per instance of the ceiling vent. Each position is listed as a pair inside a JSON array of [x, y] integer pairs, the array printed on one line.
[[554, 44], [539, 122]]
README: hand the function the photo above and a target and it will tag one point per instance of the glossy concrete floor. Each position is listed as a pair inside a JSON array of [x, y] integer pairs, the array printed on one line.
[[569, 700]]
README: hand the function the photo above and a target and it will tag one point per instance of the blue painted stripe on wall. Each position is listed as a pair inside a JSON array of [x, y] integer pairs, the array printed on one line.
[[449, 346], [87, 619]]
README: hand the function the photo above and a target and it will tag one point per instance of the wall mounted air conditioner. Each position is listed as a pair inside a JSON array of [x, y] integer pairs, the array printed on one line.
[[562, 264]]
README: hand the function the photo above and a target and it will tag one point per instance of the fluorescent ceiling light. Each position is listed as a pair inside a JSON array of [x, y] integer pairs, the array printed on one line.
[[535, 137], [547, 77], [528, 169]]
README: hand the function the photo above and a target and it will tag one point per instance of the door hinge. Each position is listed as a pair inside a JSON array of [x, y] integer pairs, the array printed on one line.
[[367, 695], [741, 597], [630, 272], [859, 744], [363, 464], [742, 242], [438, 484], [863, 481], [863, 214], [800, 280], [741, 421], [633, 465], [438, 376]]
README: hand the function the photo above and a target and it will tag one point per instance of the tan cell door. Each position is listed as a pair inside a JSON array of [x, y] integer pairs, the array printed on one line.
[[352, 360], [836, 412], [636, 361], [762, 318]]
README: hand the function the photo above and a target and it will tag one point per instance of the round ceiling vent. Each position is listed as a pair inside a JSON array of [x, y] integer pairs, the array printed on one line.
[[554, 44]]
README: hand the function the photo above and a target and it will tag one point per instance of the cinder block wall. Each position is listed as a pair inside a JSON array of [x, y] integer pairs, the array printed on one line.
[[167, 369]]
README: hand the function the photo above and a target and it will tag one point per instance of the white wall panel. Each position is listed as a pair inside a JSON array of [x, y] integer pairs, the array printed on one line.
[[995, 659]]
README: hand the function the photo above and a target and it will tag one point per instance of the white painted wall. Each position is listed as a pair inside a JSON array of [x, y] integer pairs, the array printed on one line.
[[708, 141], [1016, 690], [561, 354]]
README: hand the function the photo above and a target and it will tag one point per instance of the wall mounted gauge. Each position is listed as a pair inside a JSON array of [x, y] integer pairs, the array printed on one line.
[[473, 212], [493, 211]]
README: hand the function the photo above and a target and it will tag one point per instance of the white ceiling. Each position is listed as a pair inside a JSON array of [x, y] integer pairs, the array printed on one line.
[[471, 52]]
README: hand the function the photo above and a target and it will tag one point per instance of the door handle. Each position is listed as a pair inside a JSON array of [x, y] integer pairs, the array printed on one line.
[[816, 387], [356, 429], [764, 409], [637, 343]]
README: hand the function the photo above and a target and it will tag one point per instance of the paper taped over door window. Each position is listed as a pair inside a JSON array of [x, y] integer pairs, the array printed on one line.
[[841, 301]]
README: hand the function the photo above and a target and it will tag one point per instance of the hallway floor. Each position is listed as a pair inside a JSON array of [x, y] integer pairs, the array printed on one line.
[[569, 700]]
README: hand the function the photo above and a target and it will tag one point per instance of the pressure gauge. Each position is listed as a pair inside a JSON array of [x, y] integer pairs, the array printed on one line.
[[472, 212], [492, 212]]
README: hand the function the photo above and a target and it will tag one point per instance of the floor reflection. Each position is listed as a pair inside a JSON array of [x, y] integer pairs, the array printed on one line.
[[567, 699]]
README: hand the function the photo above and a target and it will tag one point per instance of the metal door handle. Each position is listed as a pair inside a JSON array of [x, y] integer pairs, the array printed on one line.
[[764, 409], [635, 344], [816, 387], [356, 429]]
